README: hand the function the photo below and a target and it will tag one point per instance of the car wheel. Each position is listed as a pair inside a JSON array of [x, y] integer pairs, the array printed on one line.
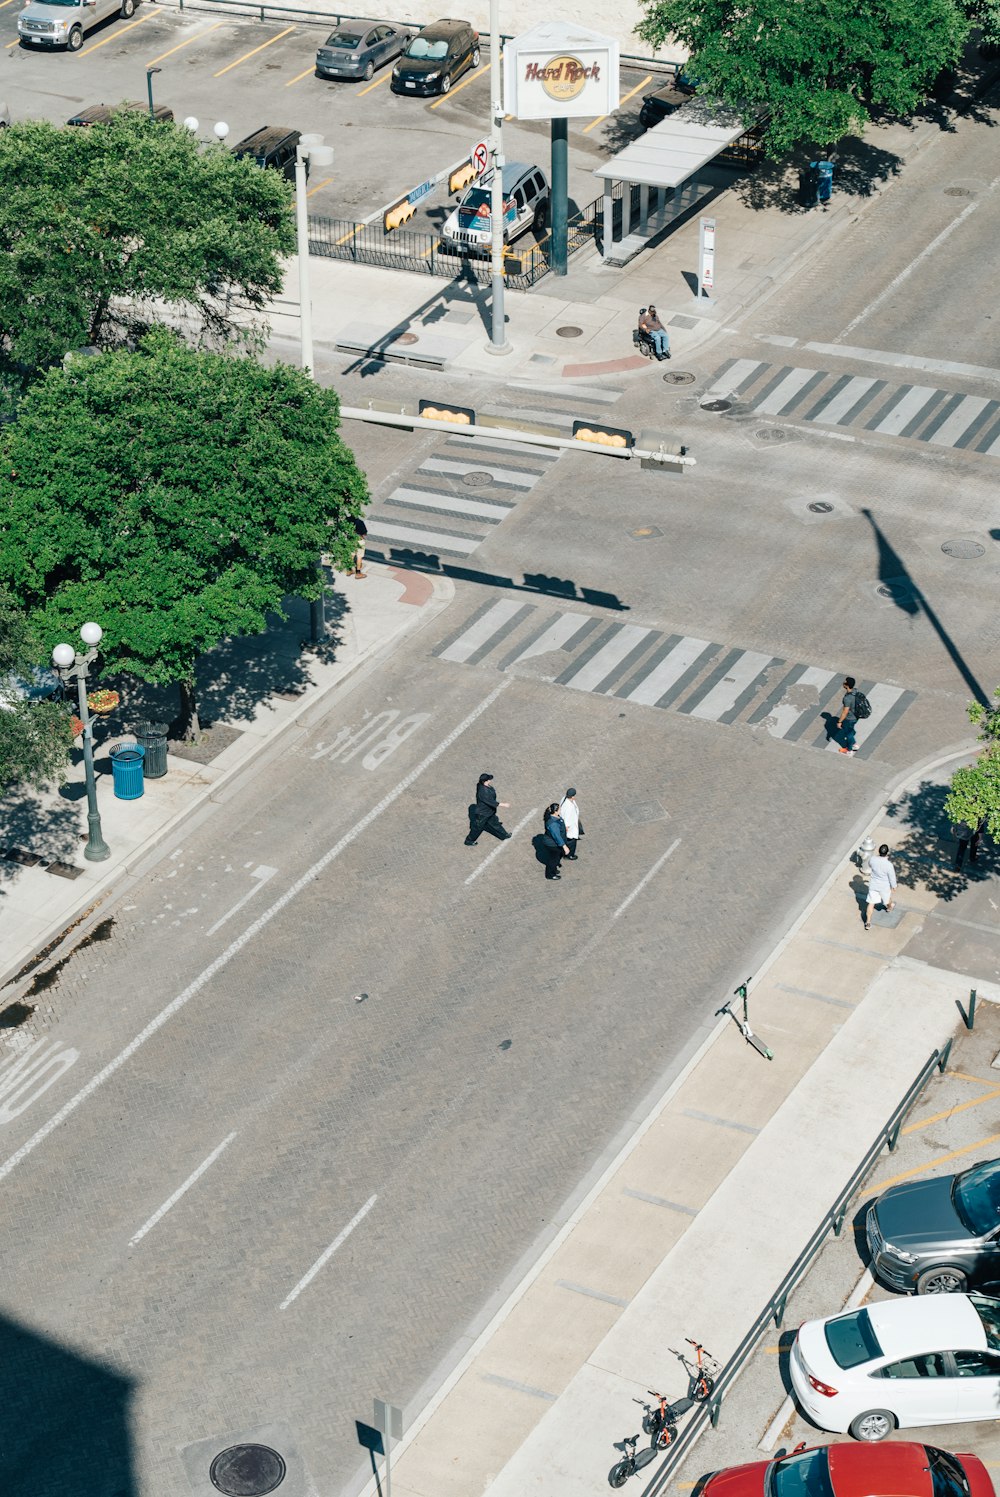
[[872, 1426], [128, 9], [446, 83], [539, 221], [369, 70], [942, 1281], [475, 57], [75, 39]]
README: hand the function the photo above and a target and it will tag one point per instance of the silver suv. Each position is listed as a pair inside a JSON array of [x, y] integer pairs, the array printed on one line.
[[61, 23], [468, 229]]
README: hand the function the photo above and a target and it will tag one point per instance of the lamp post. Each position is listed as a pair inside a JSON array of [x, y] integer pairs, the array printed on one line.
[[71, 665], [498, 332], [149, 89]]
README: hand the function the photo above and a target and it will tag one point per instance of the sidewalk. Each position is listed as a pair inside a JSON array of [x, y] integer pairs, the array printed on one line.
[[693, 1225], [257, 691]]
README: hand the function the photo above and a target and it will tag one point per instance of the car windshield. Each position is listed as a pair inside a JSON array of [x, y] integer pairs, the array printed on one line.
[[345, 39], [421, 47], [61, 2], [947, 1477], [804, 1475], [976, 1197], [988, 1311], [851, 1339], [476, 199]]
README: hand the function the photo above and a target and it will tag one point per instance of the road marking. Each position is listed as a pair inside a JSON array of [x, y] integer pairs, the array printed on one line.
[[921, 1169], [117, 32], [181, 1189], [319, 185], [337, 1242], [299, 76], [32, 1072], [646, 878], [630, 95], [384, 79], [14, 43], [471, 79], [253, 52], [964, 1076], [237, 946], [262, 874], [197, 38], [950, 1112], [500, 846]]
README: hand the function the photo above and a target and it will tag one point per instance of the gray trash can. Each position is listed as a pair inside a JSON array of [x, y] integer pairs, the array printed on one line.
[[126, 770], [153, 738]]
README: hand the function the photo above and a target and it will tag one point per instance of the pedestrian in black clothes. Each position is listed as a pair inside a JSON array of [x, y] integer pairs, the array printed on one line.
[[483, 815], [847, 722], [554, 841], [361, 531]]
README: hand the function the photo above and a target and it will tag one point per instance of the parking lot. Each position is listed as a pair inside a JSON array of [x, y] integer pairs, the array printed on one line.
[[248, 73], [955, 1124]]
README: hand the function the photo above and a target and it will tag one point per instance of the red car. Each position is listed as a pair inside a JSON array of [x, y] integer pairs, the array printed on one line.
[[895, 1469]]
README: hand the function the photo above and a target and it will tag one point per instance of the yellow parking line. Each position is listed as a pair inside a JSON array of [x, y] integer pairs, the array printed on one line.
[[960, 1107], [921, 1169], [117, 31], [253, 52], [349, 235], [213, 27], [12, 44], [299, 76], [325, 183], [5, 4], [457, 90], [384, 79], [979, 1080], [630, 95]]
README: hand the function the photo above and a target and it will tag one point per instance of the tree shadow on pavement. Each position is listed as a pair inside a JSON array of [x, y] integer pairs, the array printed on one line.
[[926, 853], [39, 824], [861, 168]]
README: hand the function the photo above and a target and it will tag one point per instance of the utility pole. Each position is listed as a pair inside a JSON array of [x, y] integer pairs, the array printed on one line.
[[498, 337]]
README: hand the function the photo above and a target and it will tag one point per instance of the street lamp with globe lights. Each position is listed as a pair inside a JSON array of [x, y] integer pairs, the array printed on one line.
[[221, 130], [71, 665]]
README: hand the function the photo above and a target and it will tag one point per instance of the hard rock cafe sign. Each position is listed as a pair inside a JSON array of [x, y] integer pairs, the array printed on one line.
[[560, 70]]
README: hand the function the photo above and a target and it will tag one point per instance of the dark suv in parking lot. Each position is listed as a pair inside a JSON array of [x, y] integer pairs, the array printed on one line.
[[938, 1236], [273, 146], [436, 57]]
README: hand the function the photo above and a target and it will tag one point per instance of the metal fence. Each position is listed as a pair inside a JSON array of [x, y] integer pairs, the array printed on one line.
[[773, 1312]]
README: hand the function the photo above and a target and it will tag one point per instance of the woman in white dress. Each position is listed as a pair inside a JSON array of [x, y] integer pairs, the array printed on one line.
[[881, 883]]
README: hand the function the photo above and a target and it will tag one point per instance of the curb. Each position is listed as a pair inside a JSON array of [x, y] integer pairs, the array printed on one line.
[[84, 913]]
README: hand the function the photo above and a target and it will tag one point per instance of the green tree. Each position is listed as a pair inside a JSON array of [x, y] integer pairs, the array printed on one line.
[[987, 718], [818, 68], [102, 227], [974, 797], [35, 737], [175, 496]]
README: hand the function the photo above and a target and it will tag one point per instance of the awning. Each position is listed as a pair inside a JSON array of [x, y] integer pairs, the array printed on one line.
[[676, 148]]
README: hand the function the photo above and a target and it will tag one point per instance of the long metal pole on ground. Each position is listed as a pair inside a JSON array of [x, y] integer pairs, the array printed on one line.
[[558, 253], [498, 333]]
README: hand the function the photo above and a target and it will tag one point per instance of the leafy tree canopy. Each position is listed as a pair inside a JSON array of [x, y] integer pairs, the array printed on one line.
[[35, 737], [98, 223], [974, 797], [174, 496], [819, 68]]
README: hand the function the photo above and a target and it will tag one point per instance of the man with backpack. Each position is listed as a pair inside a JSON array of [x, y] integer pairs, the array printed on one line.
[[855, 705]]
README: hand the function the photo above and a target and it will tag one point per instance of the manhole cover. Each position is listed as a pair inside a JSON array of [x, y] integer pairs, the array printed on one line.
[[477, 479], [716, 405], [770, 434], [820, 507], [678, 377], [568, 332], [646, 810], [959, 192], [896, 588], [406, 338], [247, 1470], [963, 550], [646, 532]]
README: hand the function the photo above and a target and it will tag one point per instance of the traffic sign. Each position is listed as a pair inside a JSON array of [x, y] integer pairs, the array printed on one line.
[[480, 157]]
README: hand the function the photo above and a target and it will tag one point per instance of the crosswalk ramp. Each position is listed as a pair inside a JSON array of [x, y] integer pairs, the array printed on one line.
[[468, 485], [681, 673], [923, 413]]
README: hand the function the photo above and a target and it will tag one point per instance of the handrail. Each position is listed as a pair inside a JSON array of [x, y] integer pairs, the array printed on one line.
[[774, 1311]]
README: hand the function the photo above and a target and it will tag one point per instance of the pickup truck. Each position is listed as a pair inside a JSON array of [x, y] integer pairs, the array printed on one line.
[[61, 23]]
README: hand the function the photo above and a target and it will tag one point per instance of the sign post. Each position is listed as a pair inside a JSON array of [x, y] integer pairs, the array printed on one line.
[[388, 1421], [706, 258], [498, 334]]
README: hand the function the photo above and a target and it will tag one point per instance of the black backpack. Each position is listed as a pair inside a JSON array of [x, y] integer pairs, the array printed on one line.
[[862, 706]]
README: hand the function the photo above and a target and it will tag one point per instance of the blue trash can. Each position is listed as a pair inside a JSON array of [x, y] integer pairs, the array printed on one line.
[[126, 770]]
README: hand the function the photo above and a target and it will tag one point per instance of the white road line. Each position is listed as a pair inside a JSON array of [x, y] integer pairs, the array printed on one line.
[[784, 715], [669, 670], [159, 1215], [840, 406], [646, 878], [559, 633], [476, 509], [337, 1242], [481, 631], [262, 874], [500, 846], [894, 285], [381, 529], [910, 406], [882, 698], [608, 657], [959, 421], [237, 946], [790, 385], [734, 376], [725, 693]]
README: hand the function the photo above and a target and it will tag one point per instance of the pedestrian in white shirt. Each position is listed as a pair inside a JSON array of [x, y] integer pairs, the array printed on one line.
[[881, 883], [570, 813]]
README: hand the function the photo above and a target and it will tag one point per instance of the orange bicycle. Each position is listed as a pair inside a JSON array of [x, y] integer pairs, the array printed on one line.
[[702, 1372], [661, 1423]]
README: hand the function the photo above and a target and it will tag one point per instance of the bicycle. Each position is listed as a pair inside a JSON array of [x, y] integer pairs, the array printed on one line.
[[743, 1025], [661, 1423], [701, 1373], [631, 1462]]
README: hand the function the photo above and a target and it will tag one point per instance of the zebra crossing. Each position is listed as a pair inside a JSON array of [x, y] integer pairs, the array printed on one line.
[[923, 413], [468, 485], [681, 673]]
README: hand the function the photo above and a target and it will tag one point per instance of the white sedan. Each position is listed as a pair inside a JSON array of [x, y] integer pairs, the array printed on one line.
[[900, 1364]]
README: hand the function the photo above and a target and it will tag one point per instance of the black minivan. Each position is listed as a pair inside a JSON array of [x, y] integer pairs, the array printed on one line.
[[435, 57]]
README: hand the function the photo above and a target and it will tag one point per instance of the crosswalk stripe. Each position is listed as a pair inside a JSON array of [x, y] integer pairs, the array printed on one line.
[[670, 671], [519, 478], [553, 636], [604, 665], [482, 631], [785, 719], [784, 392], [735, 376], [497, 444], [980, 424], [903, 412], [729, 687], [456, 545], [959, 422], [595, 394], [848, 397], [453, 504]]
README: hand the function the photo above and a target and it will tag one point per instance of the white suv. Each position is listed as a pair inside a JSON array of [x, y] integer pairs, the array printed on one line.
[[61, 23], [468, 229]]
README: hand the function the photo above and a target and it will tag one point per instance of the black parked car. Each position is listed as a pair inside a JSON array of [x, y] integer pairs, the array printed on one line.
[[663, 101], [273, 146], [938, 1236], [357, 48], [436, 56]]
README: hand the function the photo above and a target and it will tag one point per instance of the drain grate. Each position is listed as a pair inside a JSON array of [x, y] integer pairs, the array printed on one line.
[[963, 550], [771, 434], [820, 507], [959, 192], [897, 588], [477, 479], [678, 377], [717, 405], [569, 332], [247, 1471]]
